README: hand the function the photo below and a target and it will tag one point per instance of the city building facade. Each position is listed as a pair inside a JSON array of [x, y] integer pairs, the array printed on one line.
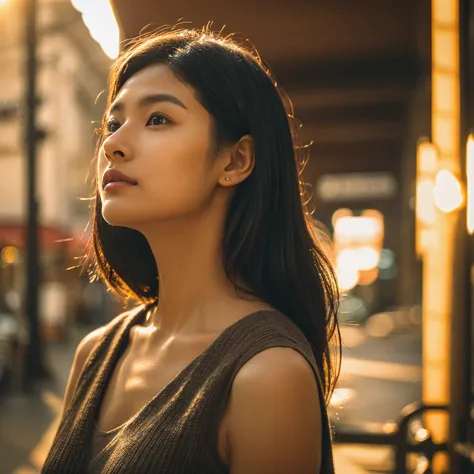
[[71, 76]]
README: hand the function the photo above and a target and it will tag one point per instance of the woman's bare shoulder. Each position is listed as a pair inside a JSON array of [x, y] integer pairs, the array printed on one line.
[[83, 350], [275, 421], [86, 345]]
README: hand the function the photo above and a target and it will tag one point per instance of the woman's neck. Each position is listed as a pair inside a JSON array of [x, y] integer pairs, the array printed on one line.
[[193, 287]]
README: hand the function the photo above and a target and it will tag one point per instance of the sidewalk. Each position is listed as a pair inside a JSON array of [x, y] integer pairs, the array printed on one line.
[[28, 425], [355, 459]]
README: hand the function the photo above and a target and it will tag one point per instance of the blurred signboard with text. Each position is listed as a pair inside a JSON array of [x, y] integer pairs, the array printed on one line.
[[356, 186]]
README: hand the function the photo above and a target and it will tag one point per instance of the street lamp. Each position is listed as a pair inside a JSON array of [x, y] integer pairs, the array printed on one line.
[[34, 367]]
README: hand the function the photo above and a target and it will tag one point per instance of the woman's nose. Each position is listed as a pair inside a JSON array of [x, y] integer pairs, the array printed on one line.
[[115, 150]]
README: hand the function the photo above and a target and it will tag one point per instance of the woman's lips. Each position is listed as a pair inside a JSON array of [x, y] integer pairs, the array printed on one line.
[[116, 185], [114, 179]]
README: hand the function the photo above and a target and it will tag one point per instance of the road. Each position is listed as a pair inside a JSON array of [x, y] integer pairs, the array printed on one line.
[[383, 373]]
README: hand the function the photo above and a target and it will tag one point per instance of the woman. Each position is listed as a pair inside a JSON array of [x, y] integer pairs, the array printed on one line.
[[225, 365]]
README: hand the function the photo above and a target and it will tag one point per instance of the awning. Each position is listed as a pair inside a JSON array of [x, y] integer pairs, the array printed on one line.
[[49, 237]]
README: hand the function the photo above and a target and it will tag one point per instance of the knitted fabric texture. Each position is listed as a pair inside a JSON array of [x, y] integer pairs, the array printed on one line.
[[177, 431]]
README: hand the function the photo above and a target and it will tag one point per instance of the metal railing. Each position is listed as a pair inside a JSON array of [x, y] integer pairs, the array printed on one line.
[[401, 439]]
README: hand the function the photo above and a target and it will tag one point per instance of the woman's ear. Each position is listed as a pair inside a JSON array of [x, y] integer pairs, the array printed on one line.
[[239, 162]]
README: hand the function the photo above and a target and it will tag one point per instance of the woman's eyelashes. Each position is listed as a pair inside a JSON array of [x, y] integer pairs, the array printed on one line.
[[155, 119]]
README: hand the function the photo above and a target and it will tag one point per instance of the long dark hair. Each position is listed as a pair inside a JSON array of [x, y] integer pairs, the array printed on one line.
[[268, 241]]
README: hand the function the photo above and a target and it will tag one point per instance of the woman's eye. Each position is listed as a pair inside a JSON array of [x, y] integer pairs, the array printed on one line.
[[157, 119], [154, 120], [112, 126]]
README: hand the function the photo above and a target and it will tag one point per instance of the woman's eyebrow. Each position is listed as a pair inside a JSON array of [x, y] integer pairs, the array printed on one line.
[[118, 106]]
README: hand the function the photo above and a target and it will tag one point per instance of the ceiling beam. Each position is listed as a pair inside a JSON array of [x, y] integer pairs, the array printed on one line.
[[308, 99], [319, 165], [375, 148], [350, 132], [367, 113], [389, 69]]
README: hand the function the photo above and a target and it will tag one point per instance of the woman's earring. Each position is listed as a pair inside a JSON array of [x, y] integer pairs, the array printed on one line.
[[226, 178]]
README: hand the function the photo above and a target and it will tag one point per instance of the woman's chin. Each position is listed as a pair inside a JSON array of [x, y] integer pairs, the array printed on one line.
[[119, 218]]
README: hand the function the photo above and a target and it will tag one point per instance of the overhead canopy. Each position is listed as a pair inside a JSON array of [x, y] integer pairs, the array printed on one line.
[[49, 237], [350, 67], [289, 31]]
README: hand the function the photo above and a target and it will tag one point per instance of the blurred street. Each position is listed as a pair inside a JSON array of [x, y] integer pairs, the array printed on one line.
[[28, 423], [384, 373]]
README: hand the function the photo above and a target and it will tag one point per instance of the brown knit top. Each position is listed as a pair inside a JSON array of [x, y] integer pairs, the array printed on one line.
[[177, 431]]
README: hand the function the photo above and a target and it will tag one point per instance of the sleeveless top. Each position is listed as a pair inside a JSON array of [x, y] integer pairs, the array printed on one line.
[[100, 439], [177, 431]]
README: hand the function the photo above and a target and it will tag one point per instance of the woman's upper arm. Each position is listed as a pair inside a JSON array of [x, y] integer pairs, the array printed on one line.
[[275, 416], [82, 352]]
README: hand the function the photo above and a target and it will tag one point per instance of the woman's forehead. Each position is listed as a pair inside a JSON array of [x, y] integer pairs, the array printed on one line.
[[153, 80]]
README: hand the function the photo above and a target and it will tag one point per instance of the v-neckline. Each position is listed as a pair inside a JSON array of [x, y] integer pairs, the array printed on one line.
[[121, 349]]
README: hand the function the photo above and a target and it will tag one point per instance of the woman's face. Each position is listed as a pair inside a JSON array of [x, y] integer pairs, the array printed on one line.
[[157, 134]]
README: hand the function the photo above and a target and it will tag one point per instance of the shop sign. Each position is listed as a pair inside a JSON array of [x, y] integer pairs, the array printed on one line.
[[356, 186]]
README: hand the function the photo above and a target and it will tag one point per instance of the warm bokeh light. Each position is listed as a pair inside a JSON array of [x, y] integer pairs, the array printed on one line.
[[360, 228], [368, 257], [340, 396], [10, 255], [427, 164], [380, 325], [100, 20], [358, 244], [425, 209], [367, 277], [347, 270], [339, 213], [470, 183], [427, 157], [447, 192]]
